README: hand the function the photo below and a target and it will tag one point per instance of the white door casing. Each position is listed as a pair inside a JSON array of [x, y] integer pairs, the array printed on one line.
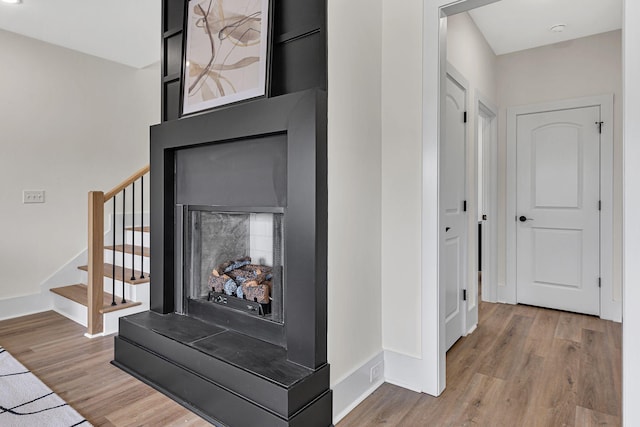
[[507, 292], [453, 201], [486, 115], [557, 209]]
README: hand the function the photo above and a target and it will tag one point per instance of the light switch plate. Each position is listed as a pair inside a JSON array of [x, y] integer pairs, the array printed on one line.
[[33, 196]]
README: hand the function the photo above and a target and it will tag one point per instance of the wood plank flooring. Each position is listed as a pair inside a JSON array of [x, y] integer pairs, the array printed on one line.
[[78, 369], [523, 366]]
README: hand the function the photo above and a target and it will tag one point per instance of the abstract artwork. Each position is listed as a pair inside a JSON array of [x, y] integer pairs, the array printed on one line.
[[226, 52]]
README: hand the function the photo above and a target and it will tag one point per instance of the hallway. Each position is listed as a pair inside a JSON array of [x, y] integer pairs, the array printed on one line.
[[523, 366]]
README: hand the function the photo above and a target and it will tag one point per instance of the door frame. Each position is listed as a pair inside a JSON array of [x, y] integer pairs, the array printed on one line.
[[507, 292], [432, 361], [433, 372], [485, 108]]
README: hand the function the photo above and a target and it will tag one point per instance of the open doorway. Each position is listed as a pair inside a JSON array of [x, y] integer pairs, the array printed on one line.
[[506, 91]]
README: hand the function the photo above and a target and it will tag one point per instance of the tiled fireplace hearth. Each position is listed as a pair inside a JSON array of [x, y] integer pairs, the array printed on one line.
[[237, 330]]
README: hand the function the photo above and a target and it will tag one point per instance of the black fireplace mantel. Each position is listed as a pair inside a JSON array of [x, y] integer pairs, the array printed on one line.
[[222, 367], [301, 119]]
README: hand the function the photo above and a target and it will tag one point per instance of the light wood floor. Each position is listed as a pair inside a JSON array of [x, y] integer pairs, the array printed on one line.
[[78, 369], [523, 366]]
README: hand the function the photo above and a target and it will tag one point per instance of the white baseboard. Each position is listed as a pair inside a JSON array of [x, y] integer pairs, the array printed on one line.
[[353, 388], [68, 274], [403, 371], [24, 305], [88, 335], [611, 310], [399, 369]]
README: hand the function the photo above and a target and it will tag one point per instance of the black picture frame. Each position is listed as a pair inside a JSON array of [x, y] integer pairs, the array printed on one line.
[[227, 39]]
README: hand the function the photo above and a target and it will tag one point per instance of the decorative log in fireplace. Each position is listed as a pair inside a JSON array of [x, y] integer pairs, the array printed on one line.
[[234, 277], [240, 341], [249, 286]]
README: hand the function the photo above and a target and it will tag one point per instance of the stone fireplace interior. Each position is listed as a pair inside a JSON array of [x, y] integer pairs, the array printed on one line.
[[234, 259]]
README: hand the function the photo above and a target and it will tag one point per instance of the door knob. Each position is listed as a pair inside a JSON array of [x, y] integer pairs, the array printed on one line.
[[524, 218], [447, 229]]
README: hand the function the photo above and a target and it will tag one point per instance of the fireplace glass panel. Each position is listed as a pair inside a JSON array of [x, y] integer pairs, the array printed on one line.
[[235, 261]]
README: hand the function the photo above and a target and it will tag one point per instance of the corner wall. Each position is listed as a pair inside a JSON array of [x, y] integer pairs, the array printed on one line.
[[69, 123], [402, 177], [354, 181], [631, 230]]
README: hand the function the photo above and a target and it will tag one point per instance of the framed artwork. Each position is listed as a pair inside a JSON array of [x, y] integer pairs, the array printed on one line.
[[226, 54]]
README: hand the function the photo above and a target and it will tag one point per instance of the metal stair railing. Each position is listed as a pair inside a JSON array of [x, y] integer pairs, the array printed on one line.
[[95, 285]]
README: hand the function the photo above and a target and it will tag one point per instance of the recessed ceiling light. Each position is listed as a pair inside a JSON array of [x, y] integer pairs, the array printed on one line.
[[558, 28]]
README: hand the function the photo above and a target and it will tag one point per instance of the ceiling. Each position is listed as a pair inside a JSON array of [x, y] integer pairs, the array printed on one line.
[[514, 25], [128, 31], [124, 31]]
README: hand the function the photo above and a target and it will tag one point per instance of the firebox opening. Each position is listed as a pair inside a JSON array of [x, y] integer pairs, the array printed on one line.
[[235, 261]]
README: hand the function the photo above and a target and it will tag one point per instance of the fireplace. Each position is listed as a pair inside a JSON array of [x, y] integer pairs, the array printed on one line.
[[234, 260], [237, 330]]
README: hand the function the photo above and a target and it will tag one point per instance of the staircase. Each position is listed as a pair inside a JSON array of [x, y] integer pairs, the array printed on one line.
[[115, 281]]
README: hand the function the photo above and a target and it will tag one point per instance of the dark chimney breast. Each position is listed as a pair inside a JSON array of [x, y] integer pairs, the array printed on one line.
[[238, 327]]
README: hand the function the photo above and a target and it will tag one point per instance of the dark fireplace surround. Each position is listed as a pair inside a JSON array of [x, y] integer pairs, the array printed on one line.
[[233, 367]]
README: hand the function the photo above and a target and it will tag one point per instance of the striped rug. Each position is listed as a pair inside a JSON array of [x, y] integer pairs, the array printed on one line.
[[25, 401]]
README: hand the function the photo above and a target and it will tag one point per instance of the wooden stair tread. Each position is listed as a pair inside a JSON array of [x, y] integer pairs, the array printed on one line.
[[79, 293], [144, 229], [129, 248], [127, 274]]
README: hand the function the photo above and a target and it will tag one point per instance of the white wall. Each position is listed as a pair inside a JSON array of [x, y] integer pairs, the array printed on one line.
[[69, 123], [401, 176], [578, 68], [471, 55], [631, 229], [354, 155]]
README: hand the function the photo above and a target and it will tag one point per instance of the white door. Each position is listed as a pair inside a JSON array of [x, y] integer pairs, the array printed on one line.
[[557, 209], [454, 219]]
